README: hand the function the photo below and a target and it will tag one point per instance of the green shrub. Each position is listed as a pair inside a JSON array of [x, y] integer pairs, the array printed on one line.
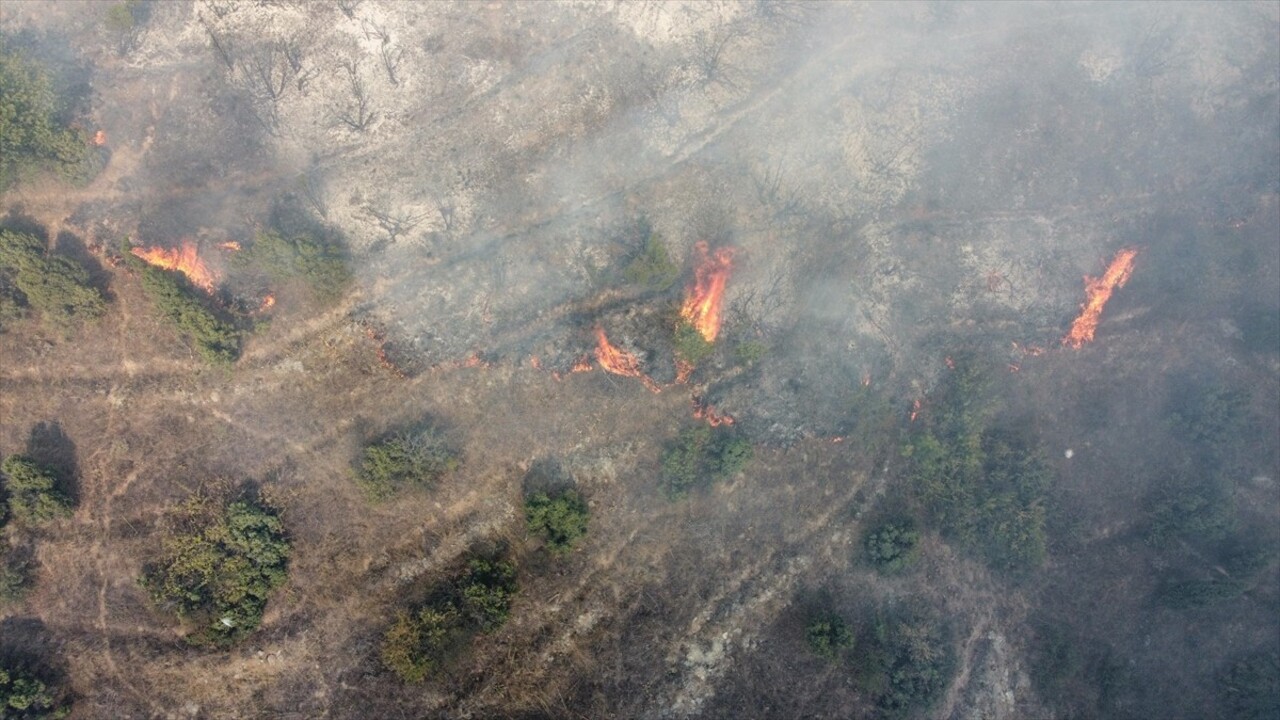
[[218, 564], [54, 285], [1198, 511], [14, 575], [652, 267], [560, 519], [322, 265], [34, 137], [1251, 687], [749, 352], [828, 635], [478, 600], [701, 455], [893, 546], [33, 494], [405, 459], [1199, 593], [985, 489], [904, 661], [418, 643], [24, 696], [689, 344], [215, 340], [486, 590]]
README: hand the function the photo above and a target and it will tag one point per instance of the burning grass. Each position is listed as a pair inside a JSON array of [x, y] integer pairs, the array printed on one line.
[[1097, 293], [703, 303], [184, 259], [620, 362]]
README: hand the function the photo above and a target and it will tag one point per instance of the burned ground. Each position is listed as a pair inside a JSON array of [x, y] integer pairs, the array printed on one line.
[[903, 185]]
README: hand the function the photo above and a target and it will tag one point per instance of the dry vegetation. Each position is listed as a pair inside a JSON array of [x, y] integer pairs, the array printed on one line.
[[380, 469]]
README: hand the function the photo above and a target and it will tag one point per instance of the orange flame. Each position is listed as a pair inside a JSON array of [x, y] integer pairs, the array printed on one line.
[[1097, 292], [535, 363], [582, 365], [184, 258], [268, 302], [229, 246], [620, 362], [683, 370], [703, 411], [100, 138], [915, 409], [702, 303]]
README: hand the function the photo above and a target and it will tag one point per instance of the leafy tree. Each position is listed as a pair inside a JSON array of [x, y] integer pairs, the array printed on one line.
[[893, 546], [216, 340], [486, 590], [560, 518], [701, 455], [828, 635], [24, 696], [32, 136], [55, 285], [405, 459], [218, 564], [322, 265], [33, 491], [905, 660], [652, 267], [1251, 687]]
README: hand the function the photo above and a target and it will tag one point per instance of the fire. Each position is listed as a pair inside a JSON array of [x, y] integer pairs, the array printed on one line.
[[1097, 292], [683, 370], [184, 258], [535, 363], [702, 304], [704, 411], [230, 246], [620, 362], [583, 364], [268, 302], [915, 409], [100, 138]]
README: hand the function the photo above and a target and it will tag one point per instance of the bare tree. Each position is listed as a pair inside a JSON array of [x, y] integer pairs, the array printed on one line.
[[390, 54], [357, 113], [396, 223], [312, 188], [708, 56]]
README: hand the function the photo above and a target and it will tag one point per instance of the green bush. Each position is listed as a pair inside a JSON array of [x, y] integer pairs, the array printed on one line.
[[322, 265], [985, 489], [54, 285], [24, 696], [904, 661], [828, 635], [33, 494], [893, 546], [701, 455], [478, 600], [35, 138], [14, 575], [689, 344], [1199, 593], [215, 340], [418, 643], [1198, 511], [486, 590], [405, 459], [749, 352], [561, 519], [1251, 687], [218, 564], [652, 267]]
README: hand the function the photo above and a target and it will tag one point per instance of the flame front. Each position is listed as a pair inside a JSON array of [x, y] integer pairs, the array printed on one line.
[[702, 304], [184, 258], [1097, 292], [229, 246], [620, 362]]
